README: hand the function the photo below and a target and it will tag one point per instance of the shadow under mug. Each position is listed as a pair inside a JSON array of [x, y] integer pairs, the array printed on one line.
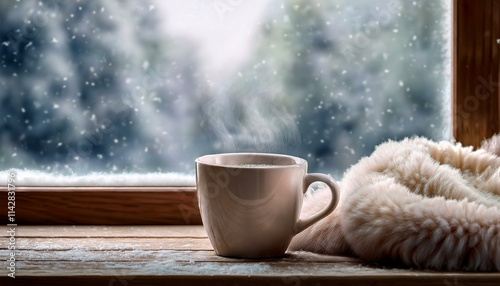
[[250, 202]]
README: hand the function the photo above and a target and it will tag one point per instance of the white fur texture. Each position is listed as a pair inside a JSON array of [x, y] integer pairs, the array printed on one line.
[[43, 179], [422, 203]]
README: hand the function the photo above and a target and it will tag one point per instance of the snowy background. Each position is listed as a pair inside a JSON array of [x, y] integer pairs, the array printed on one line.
[[127, 86]]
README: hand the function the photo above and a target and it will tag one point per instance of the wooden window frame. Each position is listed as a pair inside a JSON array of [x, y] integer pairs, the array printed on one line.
[[104, 206], [476, 106], [475, 64]]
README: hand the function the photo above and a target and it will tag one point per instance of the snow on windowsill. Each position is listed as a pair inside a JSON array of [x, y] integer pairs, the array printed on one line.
[[35, 178]]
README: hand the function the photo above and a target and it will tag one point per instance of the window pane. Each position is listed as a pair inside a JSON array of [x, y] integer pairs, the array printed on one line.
[[120, 86]]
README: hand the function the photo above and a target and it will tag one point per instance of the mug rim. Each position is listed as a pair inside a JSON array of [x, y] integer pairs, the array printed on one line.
[[297, 160]]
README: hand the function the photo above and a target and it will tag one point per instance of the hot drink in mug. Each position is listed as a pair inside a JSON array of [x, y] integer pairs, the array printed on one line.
[[250, 202]]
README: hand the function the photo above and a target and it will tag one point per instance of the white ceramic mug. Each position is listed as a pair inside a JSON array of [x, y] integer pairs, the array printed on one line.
[[250, 202]]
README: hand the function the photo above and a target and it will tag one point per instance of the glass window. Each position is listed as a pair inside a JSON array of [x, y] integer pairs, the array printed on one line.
[[127, 86]]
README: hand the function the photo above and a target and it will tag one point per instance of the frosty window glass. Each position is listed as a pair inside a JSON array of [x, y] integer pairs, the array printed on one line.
[[132, 86]]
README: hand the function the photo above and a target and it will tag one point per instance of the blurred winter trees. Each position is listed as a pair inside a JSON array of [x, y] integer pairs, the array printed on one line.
[[91, 86], [351, 74], [98, 86]]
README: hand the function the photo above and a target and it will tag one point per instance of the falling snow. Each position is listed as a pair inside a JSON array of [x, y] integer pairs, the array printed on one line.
[[121, 86]]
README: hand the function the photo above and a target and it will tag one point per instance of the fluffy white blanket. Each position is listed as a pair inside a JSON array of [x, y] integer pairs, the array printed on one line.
[[422, 203]]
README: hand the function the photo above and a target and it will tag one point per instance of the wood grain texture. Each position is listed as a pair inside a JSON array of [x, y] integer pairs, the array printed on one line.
[[89, 231], [104, 205], [101, 255], [476, 70]]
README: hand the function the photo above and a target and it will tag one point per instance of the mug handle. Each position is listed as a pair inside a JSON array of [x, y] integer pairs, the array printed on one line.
[[332, 185]]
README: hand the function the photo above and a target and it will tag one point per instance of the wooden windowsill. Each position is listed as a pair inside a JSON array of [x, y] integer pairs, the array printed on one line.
[[182, 255], [104, 205]]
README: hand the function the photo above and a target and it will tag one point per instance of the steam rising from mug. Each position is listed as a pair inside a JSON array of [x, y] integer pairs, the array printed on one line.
[[251, 115]]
